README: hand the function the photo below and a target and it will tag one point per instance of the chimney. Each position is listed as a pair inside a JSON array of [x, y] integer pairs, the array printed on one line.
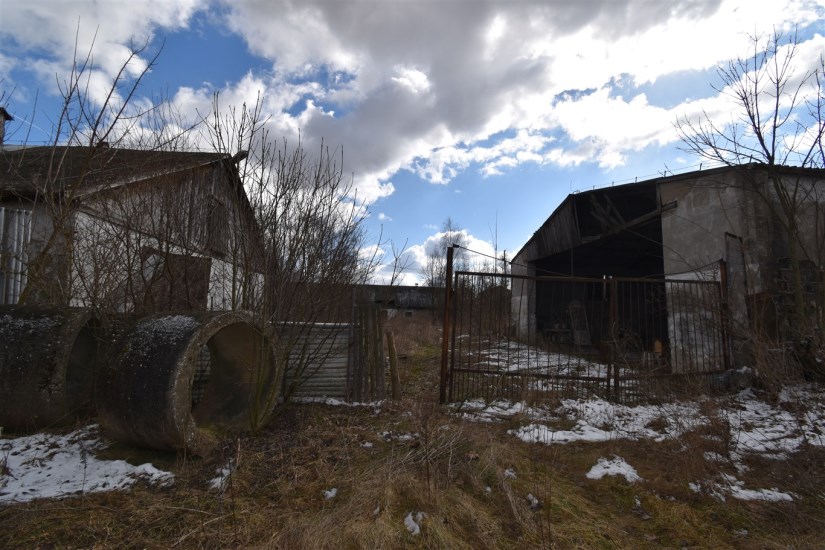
[[4, 117]]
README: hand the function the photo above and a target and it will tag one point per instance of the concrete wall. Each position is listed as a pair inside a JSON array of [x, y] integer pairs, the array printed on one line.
[[523, 298], [699, 213], [708, 209]]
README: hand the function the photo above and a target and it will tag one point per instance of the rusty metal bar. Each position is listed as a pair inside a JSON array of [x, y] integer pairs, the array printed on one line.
[[723, 293], [561, 325], [452, 352], [445, 334]]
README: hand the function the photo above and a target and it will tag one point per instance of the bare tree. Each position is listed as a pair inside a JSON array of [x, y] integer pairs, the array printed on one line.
[[90, 128], [397, 259], [435, 268], [778, 122], [291, 252], [310, 224]]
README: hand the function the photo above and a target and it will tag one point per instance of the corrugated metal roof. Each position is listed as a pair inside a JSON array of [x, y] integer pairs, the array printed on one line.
[[32, 170]]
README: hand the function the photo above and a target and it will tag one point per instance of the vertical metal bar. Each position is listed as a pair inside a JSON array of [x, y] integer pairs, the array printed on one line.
[[508, 312], [612, 334], [687, 339], [15, 259], [3, 259], [445, 334], [11, 240], [723, 294], [676, 301], [24, 242], [452, 353], [710, 332], [700, 345]]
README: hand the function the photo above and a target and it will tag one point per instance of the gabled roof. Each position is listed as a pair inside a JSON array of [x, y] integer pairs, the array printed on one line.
[[29, 171]]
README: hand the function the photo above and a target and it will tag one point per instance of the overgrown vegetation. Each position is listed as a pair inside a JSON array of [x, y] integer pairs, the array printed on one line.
[[777, 120], [470, 479]]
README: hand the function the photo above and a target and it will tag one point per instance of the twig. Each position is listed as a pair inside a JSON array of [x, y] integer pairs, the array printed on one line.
[[187, 535]]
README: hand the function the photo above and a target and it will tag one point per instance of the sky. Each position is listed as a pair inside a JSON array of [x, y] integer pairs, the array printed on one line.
[[486, 112]]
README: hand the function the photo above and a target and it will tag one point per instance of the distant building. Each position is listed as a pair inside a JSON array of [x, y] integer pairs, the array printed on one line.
[[407, 301]]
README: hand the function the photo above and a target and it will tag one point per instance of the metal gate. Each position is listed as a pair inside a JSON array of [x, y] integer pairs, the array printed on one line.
[[622, 339]]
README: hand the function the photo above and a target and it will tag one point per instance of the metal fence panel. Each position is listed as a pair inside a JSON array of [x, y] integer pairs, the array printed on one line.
[[622, 339], [15, 232]]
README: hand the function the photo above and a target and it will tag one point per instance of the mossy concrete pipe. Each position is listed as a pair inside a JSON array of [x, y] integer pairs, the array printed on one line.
[[178, 382], [47, 365]]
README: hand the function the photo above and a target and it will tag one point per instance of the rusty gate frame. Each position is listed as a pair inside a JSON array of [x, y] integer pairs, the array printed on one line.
[[613, 381]]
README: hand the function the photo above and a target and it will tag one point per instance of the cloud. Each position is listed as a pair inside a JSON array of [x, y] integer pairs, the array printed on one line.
[[435, 88], [106, 31], [383, 217], [478, 254]]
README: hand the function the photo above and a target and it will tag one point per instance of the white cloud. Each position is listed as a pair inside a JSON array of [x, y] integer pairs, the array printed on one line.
[[383, 217], [428, 87], [478, 253], [61, 29], [436, 88]]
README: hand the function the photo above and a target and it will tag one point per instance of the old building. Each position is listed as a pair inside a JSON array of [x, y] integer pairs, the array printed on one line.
[[766, 224], [413, 302], [127, 230]]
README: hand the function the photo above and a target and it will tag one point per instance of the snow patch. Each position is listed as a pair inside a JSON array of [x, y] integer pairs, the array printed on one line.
[[736, 488], [614, 467], [221, 481], [413, 522], [60, 466], [332, 402]]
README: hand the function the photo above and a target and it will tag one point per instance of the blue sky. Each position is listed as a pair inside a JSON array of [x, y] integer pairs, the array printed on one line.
[[488, 112]]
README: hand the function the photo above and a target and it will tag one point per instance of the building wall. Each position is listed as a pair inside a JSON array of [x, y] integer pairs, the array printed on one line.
[[736, 216], [729, 214], [120, 248], [44, 276], [707, 210], [523, 298], [697, 214]]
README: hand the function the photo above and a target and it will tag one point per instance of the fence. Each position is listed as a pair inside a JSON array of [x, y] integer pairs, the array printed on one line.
[[15, 231], [623, 339], [339, 360]]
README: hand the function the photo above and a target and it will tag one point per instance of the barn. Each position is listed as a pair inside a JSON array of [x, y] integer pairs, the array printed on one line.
[[756, 232]]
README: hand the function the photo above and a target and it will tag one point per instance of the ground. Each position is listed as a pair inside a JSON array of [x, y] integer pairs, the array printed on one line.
[[738, 471]]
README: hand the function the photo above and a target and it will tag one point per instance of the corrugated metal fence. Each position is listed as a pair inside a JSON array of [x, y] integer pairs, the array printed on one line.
[[15, 232], [338, 360]]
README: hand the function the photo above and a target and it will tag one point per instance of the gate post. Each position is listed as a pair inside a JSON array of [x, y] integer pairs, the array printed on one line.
[[445, 333], [612, 369], [723, 294]]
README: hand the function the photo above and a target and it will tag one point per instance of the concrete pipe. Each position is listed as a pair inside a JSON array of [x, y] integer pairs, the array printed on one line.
[[178, 381], [47, 365]]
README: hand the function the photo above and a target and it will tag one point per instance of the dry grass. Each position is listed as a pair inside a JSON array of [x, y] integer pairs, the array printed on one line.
[[453, 471]]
